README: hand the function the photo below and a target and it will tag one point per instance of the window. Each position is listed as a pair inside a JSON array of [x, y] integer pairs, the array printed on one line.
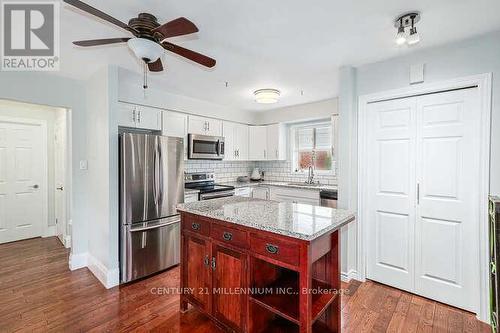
[[312, 145]]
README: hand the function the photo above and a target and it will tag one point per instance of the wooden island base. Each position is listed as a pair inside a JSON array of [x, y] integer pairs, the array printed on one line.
[[255, 281]]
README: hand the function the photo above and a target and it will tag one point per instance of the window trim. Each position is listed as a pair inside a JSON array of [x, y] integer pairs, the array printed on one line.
[[293, 150]]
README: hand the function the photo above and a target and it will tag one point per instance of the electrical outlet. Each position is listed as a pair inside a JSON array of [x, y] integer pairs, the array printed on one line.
[[83, 165]]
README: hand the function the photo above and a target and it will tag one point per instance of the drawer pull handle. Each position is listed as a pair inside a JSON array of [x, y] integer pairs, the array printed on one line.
[[227, 236], [195, 226], [273, 249]]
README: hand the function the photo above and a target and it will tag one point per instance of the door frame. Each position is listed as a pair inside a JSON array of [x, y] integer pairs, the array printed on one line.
[[46, 230], [483, 83]]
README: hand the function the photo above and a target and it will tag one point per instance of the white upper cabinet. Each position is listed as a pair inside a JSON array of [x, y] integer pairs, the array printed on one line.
[[241, 141], [228, 131], [236, 141], [276, 142], [204, 126], [135, 116], [174, 124], [257, 143], [267, 142]]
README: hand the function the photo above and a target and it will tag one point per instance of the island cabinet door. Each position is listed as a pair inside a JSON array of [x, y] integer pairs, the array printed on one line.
[[229, 282], [196, 272]]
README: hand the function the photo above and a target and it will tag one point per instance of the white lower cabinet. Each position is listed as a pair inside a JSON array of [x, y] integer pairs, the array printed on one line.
[[261, 192], [190, 197], [310, 197]]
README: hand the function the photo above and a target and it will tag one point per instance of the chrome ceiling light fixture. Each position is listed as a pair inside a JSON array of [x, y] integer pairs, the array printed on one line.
[[407, 22], [266, 96]]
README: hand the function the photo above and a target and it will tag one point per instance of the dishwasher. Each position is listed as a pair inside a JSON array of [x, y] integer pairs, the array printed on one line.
[[328, 198]]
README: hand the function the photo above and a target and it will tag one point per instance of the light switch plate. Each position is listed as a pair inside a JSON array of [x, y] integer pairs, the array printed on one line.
[[417, 73], [83, 165]]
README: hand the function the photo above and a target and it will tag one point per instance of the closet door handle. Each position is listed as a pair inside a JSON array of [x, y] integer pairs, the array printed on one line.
[[418, 194]]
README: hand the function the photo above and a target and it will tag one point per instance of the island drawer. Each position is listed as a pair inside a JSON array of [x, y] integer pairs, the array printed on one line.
[[196, 224], [229, 235], [277, 249]]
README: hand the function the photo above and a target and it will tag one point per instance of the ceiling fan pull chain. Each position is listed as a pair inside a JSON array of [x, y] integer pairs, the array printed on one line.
[[145, 84]]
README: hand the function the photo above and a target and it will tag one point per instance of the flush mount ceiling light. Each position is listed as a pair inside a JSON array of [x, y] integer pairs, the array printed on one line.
[[266, 96], [145, 49], [407, 22]]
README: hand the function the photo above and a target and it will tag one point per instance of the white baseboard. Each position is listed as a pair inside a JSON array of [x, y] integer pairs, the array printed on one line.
[[49, 231], [109, 278], [67, 241], [348, 276], [77, 261]]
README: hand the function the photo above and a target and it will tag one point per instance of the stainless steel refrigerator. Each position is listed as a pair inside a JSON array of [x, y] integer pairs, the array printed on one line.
[[151, 186]]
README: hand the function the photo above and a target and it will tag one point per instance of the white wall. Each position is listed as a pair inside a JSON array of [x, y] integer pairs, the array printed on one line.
[[52, 90], [130, 90], [469, 57], [310, 111]]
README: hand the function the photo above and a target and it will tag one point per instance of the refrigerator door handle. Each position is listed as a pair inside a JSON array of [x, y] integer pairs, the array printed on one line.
[[156, 226]]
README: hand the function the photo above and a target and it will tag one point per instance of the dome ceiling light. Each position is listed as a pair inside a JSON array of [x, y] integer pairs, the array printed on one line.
[[266, 96], [407, 31]]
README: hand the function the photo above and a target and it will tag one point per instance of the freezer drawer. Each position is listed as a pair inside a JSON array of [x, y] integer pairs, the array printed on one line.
[[149, 247]]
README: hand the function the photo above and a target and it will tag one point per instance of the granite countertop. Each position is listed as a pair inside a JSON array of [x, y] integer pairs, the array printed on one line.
[[190, 191], [297, 185], [294, 220]]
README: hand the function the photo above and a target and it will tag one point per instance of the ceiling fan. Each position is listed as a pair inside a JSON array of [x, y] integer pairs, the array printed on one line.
[[149, 41]]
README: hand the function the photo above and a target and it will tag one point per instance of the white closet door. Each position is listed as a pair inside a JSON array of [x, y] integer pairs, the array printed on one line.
[[22, 197], [446, 250], [391, 196]]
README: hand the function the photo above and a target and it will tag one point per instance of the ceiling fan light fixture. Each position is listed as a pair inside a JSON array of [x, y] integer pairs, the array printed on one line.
[[145, 49], [266, 96]]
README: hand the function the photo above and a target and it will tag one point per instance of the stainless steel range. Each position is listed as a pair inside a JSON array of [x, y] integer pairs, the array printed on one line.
[[205, 183]]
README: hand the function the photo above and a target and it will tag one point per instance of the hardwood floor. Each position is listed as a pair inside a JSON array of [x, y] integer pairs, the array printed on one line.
[[38, 293]]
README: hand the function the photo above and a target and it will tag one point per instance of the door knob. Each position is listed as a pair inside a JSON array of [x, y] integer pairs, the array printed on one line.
[[35, 186], [60, 188]]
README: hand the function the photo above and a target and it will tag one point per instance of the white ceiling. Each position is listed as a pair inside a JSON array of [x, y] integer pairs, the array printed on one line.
[[289, 45]]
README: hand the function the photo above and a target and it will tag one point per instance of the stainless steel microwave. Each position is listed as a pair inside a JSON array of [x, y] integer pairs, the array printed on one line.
[[205, 147]]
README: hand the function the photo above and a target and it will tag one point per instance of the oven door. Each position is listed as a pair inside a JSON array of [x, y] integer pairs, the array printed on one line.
[[205, 147]]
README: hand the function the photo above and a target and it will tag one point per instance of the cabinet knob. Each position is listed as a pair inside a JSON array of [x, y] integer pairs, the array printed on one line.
[[195, 226], [273, 249], [227, 236]]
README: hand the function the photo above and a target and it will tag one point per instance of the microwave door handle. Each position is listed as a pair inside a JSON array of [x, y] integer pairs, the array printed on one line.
[[217, 150]]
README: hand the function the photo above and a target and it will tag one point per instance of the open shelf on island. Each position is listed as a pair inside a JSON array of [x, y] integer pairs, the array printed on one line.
[[282, 294]]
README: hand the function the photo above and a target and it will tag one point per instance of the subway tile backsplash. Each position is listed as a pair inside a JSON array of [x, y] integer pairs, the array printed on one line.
[[228, 171], [224, 171]]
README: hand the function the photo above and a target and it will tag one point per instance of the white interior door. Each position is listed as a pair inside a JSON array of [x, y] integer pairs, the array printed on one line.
[[23, 198], [423, 223], [60, 177], [447, 224], [391, 192]]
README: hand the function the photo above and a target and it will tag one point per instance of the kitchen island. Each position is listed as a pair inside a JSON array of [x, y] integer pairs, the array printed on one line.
[[262, 266]]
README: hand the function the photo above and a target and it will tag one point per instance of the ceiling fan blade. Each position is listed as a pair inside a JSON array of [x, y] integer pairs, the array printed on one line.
[[96, 42], [178, 27], [191, 55], [156, 66], [96, 12]]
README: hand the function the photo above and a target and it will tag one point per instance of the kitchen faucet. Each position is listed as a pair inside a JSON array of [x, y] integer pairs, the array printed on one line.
[[310, 177]]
